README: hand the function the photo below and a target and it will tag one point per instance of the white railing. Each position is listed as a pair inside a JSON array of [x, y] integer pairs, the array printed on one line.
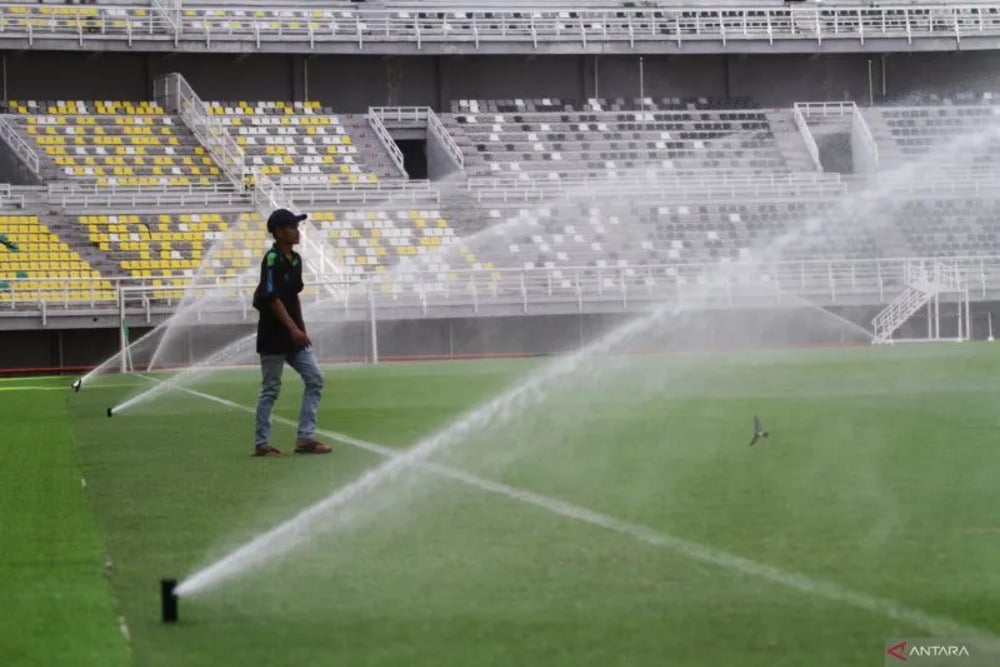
[[401, 116], [420, 117], [168, 196], [268, 196], [175, 95], [826, 281], [169, 12], [807, 136], [863, 144], [811, 110], [239, 27], [375, 121], [20, 147], [644, 190], [572, 180], [924, 279], [435, 127], [893, 316]]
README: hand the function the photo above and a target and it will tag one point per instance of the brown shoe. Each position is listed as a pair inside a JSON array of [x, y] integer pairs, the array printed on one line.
[[266, 450], [310, 446]]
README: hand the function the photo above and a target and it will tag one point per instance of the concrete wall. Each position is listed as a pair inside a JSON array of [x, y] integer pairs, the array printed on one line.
[[353, 83], [523, 335]]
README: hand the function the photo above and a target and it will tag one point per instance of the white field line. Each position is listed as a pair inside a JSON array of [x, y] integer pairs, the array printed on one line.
[[936, 625]]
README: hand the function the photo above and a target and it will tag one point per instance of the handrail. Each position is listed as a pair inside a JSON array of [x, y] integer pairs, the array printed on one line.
[[20, 146], [658, 177], [437, 128], [268, 196], [169, 12], [629, 27], [807, 137], [866, 142], [819, 278], [175, 95], [375, 121], [825, 109]]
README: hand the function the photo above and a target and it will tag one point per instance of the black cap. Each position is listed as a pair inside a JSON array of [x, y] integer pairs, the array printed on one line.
[[284, 218]]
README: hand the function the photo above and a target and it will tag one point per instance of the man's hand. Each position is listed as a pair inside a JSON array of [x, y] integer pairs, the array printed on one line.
[[300, 338]]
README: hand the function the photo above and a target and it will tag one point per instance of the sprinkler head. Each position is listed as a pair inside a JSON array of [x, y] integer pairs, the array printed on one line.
[[168, 600], [76, 385], [109, 412]]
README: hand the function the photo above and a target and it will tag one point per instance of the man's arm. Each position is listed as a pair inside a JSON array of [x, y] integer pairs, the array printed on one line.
[[299, 336]]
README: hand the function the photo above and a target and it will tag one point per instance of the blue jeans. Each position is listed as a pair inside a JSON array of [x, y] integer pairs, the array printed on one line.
[[271, 366]]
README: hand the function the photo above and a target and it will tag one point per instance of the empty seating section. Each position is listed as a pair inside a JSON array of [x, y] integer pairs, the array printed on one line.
[[949, 227], [39, 265], [554, 104], [173, 249], [916, 131], [119, 143], [613, 142], [296, 142], [176, 250], [621, 235], [422, 244]]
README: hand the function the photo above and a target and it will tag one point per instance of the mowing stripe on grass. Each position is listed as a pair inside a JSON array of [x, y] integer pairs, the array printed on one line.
[[29, 387], [936, 625]]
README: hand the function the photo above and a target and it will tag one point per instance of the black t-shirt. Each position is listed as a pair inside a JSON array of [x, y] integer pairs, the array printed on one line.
[[280, 277]]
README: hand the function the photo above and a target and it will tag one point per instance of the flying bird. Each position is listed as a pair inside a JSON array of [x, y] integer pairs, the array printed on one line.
[[758, 431]]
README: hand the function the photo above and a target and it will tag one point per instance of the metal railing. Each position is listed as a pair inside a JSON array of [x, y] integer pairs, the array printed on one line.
[[176, 96], [437, 128], [812, 110], [222, 25], [658, 192], [420, 117], [874, 281], [375, 121], [169, 12], [20, 147], [657, 177], [150, 198], [863, 144], [807, 136], [268, 196]]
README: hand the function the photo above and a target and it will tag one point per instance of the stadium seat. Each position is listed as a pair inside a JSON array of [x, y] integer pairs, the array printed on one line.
[[37, 265], [114, 144]]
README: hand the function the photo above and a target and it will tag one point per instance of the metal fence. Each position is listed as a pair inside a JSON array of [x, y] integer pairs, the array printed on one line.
[[576, 287], [226, 27]]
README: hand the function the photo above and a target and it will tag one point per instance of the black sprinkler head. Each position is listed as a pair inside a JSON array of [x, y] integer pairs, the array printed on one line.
[[168, 600], [109, 412]]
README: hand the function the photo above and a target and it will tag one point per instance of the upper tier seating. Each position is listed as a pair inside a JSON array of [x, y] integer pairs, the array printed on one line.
[[117, 143], [963, 136], [555, 104], [609, 142], [295, 142]]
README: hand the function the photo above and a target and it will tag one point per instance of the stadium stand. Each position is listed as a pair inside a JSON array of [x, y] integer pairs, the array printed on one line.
[[175, 250], [113, 143], [168, 249], [721, 187], [497, 137], [299, 143], [908, 132], [41, 266]]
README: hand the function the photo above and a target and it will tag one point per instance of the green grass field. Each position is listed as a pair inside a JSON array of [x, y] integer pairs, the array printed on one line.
[[869, 513]]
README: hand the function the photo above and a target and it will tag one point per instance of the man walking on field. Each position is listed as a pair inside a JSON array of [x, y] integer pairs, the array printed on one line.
[[281, 337]]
